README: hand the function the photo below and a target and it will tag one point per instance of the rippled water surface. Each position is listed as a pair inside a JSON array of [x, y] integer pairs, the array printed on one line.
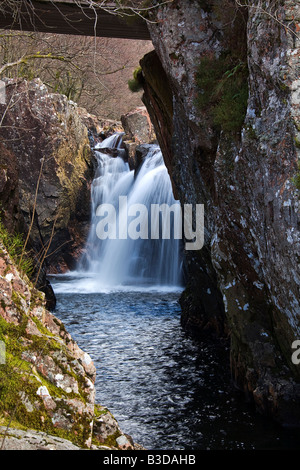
[[166, 390]]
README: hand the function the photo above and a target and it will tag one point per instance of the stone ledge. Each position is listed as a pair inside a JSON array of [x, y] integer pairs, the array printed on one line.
[[17, 439]]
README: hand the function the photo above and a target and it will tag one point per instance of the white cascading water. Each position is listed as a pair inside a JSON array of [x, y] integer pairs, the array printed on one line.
[[131, 262]]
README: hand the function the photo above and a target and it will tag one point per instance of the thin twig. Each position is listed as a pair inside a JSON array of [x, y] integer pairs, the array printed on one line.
[[33, 212], [46, 250], [271, 15]]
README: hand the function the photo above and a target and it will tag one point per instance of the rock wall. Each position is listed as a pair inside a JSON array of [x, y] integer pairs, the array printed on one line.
[[249, 267], [47, 393], [46, 132]]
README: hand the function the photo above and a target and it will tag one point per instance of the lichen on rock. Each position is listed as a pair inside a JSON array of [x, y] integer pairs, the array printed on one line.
[[47, 393], [245, 176]]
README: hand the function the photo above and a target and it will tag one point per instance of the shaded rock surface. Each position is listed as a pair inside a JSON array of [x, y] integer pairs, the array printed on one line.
[[98, 128], [250, 262], [12, 217]]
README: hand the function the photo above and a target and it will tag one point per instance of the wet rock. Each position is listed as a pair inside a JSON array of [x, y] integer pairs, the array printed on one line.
[[105, 426], [98, 128]]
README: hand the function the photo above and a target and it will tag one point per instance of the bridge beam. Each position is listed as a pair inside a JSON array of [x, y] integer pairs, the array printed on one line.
[[67, 17]]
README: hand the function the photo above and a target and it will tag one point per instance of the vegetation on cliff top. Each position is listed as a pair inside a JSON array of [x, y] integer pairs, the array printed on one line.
[[223, 91], [14, 244], [222, 81]]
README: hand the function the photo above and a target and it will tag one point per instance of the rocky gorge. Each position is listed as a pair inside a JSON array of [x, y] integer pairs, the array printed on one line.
[[47, 381]]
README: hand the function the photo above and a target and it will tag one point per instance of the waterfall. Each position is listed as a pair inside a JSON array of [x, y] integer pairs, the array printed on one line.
[[139, 260]]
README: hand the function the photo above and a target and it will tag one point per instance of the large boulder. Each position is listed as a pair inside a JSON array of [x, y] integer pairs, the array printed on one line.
[[47, 393], [138, 129]]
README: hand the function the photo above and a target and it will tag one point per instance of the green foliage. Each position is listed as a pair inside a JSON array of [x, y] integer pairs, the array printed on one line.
[[14, 244], [66, 83], [223, 91], [136, 83], [222, 81]]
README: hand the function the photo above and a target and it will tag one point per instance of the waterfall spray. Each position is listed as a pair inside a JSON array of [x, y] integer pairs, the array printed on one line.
[[141, 258]]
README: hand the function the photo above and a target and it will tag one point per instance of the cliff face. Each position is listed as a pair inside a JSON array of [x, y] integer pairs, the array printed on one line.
[[45, 133], [238, 157]]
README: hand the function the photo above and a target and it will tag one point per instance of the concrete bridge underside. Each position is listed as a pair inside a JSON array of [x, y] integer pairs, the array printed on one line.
[[68, 17]]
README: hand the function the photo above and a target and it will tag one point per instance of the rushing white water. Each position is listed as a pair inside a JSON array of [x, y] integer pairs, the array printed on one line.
[[141, 262]]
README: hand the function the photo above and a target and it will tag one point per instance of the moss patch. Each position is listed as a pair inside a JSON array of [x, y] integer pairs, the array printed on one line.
[[296, 179], [223, 91], [136, 83]]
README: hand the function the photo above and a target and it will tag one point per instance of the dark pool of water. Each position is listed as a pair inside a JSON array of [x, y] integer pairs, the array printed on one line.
[[167, 390]]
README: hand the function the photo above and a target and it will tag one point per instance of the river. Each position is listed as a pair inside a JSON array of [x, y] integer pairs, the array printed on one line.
[[165, 388]]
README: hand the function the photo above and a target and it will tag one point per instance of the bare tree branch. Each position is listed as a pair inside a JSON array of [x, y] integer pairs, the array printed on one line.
[[26, 58], [268, 13]]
